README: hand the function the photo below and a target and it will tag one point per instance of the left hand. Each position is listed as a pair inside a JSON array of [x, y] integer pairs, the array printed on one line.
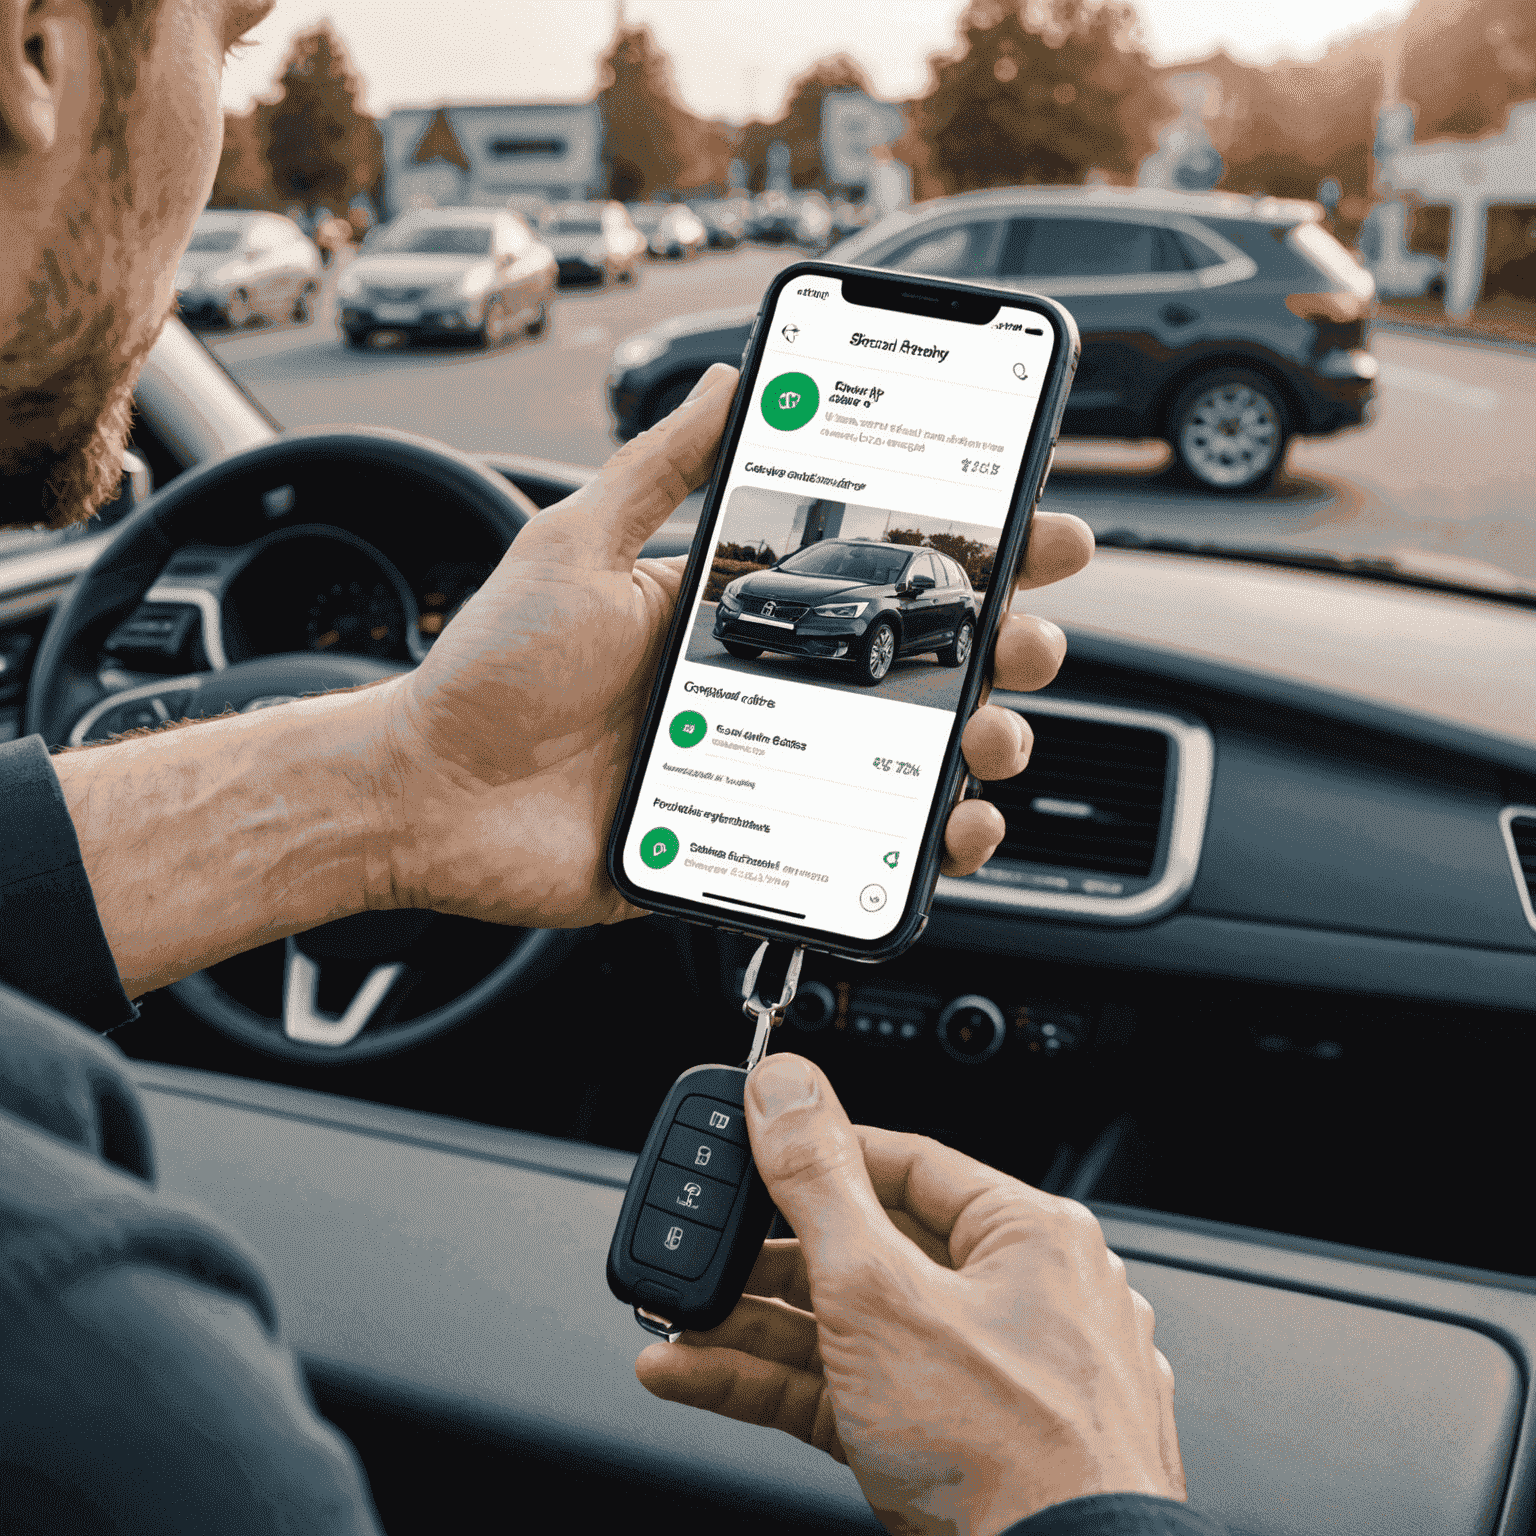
[[506, 749]]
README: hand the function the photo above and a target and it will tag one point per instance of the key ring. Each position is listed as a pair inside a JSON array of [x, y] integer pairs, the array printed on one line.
[[766, 1015]]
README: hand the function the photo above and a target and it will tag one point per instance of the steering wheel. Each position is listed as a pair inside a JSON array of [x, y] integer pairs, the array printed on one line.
[[364, 986]]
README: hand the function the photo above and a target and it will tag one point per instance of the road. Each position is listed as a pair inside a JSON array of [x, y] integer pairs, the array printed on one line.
[[1441, 476]]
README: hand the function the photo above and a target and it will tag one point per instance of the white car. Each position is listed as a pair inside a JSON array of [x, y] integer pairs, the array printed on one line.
[[245, 266]]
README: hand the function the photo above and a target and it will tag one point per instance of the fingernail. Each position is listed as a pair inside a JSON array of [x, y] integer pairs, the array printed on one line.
[[783, 1083], [1056, 632], [698, 389]]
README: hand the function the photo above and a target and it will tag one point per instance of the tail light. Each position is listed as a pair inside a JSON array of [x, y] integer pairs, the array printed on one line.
[[1328, 308]]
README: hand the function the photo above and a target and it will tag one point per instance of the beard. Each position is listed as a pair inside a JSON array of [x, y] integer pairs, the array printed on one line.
[[68, 369], [66, 400]]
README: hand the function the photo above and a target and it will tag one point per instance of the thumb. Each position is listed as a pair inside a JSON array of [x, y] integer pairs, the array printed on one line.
[[812, 1162], [644, 483]]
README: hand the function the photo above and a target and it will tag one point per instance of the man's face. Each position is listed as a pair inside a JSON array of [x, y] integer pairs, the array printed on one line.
[[108, 147]]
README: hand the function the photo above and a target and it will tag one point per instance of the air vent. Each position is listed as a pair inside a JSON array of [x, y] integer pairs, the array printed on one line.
[[1106, 823], [1519, 823], [1091, 799]]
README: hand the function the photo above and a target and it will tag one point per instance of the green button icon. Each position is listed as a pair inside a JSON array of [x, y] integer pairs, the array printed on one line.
[[790, 401], [688, 729], [658, 847]]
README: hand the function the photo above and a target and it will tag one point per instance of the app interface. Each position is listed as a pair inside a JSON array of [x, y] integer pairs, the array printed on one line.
[[808, 715]]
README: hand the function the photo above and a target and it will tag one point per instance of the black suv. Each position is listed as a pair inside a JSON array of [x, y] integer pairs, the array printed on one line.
[[1225, 325], [856, 599]]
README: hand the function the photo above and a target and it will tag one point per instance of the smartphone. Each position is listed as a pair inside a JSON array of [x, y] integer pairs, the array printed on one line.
[[855, 555]]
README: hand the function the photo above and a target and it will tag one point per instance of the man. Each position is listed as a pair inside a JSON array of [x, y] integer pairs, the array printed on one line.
[[144, 1385]]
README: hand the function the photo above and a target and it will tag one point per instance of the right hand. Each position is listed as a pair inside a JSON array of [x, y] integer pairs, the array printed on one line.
[[965, 1343]]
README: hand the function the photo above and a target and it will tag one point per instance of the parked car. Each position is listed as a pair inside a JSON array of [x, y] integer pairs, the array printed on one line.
[[847, 218], [724, 220], [474, 273], [244, 266], [1399, 271], [791, 218], [672, 231], [594, 243], [1225, 325], [853, 599]]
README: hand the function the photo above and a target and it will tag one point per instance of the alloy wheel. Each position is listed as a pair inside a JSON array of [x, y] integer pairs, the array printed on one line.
[[1230, 435], [882, 652]]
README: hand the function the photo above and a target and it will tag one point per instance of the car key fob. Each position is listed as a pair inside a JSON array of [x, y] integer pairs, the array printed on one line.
[[697, 1210]]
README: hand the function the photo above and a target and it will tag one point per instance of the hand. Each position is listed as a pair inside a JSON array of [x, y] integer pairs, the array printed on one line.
[[966, 1344], [509, 744]]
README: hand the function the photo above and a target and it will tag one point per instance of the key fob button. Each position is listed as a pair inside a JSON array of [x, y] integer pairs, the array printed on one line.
[[727, 1121], [680, 1247], [693, 1150], [679, 1192]]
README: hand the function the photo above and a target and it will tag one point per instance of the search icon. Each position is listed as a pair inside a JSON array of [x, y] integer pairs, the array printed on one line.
[[1018, 371]]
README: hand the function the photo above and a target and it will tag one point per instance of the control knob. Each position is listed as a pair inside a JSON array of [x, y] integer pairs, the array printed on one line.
[[972, 1029], [814, 1007]]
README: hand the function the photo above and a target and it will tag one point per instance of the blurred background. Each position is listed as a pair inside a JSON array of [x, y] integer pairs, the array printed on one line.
[[1301, 246]]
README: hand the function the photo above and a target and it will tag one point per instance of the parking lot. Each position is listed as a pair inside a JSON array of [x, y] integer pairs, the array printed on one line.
[[1437, 478]]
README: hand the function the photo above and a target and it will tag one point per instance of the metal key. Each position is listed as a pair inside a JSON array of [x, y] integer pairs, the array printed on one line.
[[697, 1211]]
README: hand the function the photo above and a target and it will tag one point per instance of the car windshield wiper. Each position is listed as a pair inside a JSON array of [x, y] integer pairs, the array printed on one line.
[[1372, 567]]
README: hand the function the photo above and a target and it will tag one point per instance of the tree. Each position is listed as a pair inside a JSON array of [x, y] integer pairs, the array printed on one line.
[[905, 536], [1038, 95], [1464, 62], [799, 124], [244, 178], [651, 141], [322, 148]]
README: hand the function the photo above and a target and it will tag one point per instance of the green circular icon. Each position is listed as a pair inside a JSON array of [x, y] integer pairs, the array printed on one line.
[[790, 401], [658, 847], [688, 729]]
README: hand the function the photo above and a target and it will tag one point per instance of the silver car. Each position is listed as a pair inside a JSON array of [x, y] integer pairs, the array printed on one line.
[[439, 273], [241, 266]]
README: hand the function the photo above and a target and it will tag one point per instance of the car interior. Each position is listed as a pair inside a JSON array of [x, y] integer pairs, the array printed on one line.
[[1256, 997]]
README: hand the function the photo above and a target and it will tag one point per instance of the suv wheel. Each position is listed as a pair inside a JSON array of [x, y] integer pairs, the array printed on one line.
[[303, 312], [1228, 431], [877, 653], [958, 651]]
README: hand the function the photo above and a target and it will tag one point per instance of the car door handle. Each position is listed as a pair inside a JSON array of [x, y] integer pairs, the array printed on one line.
[[1179, 314]]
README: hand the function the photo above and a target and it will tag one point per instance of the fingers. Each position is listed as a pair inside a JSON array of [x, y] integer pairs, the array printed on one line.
[[1028, 653], [780, 1272], [740, 1387], [935, 1185], [813, 1164], [767, 1330], [1060, 545], [971, 836], [996, 742]]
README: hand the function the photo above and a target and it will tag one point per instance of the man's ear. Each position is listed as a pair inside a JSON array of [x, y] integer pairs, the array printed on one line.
[[32, 74]]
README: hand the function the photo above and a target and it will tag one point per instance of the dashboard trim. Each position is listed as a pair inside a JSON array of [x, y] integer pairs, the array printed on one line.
[[1507, 818], [211, 621], [1192, 769]]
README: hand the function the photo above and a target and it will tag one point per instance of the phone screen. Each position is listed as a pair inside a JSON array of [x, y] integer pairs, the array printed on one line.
[[809, 711]]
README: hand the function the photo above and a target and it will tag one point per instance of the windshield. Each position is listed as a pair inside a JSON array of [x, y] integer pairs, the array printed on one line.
[[226, 239], [1295, 338], [436, 239], [872, 565]]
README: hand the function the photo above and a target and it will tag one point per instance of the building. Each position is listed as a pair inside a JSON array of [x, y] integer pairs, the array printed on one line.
[[481, 153], [1470, 176], [856, 134]]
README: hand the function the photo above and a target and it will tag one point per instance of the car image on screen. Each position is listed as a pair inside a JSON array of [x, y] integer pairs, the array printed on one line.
[[854, 600]]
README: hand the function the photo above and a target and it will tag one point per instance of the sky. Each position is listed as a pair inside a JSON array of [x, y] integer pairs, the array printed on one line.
[[731, 58]]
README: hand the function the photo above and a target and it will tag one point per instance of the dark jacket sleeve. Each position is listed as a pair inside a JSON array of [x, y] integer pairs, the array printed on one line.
[[52, 946], [1118, 1514], [147, 1387]]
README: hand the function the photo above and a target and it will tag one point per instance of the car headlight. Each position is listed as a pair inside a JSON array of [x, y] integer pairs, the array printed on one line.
[[474, 282], [637, 351], [841, 610], [349, 285], [731, 596]]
